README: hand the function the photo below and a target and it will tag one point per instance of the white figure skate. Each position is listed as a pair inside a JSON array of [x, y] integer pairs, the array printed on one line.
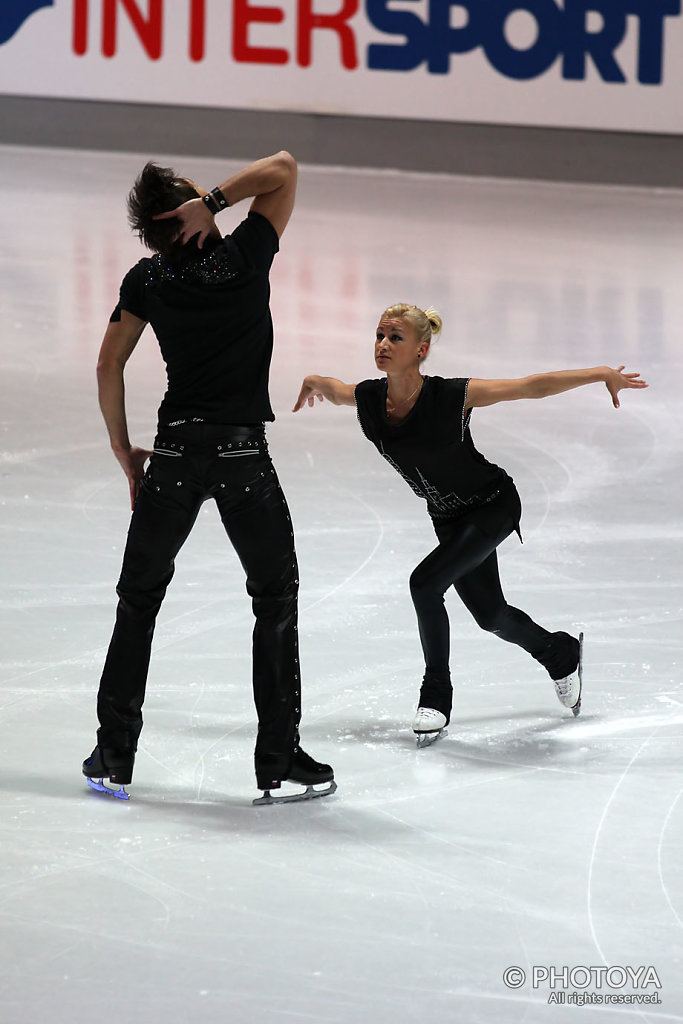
[[569, 689]]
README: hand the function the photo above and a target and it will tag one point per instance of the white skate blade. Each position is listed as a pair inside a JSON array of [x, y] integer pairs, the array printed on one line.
[[100, 787], [425, 739], [577, 707], [310, 793]]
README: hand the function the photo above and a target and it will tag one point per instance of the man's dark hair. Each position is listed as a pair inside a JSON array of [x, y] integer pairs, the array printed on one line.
[[157, 190]]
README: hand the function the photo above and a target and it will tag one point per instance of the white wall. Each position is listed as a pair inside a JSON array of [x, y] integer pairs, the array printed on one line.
[[615, 65]]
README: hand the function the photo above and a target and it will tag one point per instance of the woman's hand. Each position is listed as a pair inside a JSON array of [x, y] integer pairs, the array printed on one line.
[[195, 219], [617, 380], [310, 390], [329, 388]]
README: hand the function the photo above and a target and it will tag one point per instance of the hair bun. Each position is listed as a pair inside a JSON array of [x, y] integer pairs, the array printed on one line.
[[435, 321]]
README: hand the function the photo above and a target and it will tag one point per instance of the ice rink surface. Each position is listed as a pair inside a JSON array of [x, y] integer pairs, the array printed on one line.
[[525, 839]]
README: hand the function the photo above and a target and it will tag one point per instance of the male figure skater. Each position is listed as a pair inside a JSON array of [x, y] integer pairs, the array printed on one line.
[[207, 300]]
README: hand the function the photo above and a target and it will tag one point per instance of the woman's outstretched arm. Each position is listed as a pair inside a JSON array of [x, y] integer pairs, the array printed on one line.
[[333, 390], [542, 385]]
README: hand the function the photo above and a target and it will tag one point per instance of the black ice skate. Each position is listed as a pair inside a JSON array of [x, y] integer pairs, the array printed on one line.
[[433, 711], [114, 765], [302, 769], [569, 688]]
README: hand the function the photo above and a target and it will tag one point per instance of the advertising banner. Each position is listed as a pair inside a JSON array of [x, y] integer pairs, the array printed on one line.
[[604, 64]]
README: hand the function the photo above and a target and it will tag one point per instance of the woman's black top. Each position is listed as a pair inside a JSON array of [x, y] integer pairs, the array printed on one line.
[[432, 448]]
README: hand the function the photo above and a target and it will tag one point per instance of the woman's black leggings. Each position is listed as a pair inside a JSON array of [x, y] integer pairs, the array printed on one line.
[[466, 559]]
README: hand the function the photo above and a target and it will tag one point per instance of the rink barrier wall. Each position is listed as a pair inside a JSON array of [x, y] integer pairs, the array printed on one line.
[[505, 151]]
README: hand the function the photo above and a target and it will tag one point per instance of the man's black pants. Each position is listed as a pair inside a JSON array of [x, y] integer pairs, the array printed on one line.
[[191, 463]]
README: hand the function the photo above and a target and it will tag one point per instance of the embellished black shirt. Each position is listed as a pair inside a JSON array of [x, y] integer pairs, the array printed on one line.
[[432, 447], [211, 317]]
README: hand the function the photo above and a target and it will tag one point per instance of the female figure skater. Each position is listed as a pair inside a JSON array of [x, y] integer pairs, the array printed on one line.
[[421, 425]]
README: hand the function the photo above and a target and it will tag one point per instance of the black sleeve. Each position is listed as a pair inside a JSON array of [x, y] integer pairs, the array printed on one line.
[[131, 296], [257, 240], [452, 402]]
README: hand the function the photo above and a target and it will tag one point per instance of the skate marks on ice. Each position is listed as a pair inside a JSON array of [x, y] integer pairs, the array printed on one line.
[[649, 870], [671, 824], [354, 498], [472, 854], [660, 892]]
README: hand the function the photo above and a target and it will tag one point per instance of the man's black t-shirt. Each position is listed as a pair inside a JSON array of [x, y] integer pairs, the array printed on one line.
[[432, 447], [212, 319]]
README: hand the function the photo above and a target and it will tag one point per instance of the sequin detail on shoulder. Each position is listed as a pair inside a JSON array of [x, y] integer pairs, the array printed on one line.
[[216, 267], [466, 416]]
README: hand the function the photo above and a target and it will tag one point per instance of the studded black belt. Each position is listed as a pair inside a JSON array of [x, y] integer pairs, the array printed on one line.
[[223, 438]]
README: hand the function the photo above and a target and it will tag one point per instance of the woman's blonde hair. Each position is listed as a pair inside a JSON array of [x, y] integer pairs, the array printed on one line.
[[426, 322]]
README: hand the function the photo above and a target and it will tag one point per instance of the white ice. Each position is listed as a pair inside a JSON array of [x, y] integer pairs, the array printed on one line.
[[524, 839]]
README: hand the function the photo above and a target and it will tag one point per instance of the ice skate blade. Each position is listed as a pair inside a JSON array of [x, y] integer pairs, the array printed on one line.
[[294, 798], [576, 710], [425, 739], [100, 787]]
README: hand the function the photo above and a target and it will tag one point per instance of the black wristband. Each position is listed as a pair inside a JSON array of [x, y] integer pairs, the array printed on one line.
[[215, 200], [210, 203]]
